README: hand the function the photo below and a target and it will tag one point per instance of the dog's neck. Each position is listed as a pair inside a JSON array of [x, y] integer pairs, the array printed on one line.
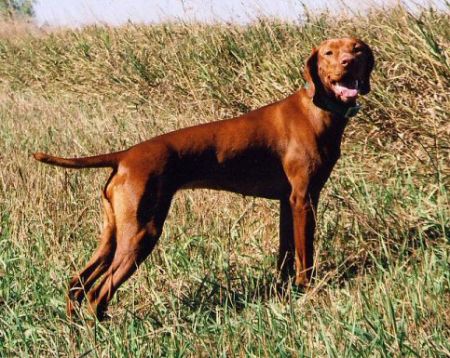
[[327, 124], [334, 106]]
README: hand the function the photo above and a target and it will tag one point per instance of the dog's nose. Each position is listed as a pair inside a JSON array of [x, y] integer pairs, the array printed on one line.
[[347, 60]]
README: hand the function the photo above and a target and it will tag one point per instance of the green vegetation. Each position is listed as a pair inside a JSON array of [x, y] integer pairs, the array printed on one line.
[[12, 8], [383, 248]]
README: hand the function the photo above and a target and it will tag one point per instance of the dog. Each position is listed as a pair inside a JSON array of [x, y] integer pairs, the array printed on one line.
[[283, 151]]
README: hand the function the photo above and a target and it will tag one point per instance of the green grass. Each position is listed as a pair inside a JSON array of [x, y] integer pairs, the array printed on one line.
[[383, 248]]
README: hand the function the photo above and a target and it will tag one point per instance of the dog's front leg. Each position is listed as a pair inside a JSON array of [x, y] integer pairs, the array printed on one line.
[[286, 253], [304, 224]]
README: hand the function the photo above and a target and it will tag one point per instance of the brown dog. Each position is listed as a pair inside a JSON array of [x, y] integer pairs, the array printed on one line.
[[283, 151]]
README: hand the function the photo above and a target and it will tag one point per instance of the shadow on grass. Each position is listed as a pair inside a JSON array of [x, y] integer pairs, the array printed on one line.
[[238, 292], [234, 293], [239, 289]]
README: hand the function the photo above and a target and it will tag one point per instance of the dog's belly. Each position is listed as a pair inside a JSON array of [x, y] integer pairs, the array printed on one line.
[[256, 172], [268, 190]]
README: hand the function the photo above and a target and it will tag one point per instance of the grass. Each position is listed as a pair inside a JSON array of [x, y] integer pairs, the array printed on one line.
[[383, 248]]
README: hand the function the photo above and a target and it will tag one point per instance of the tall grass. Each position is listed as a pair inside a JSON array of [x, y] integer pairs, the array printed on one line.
[[383, 281]]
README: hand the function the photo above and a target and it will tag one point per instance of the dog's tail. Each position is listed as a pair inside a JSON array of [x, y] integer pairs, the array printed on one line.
[[110, 160]]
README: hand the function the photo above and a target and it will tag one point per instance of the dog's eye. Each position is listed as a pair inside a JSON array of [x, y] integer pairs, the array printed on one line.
[[328, 53], [357, 49]]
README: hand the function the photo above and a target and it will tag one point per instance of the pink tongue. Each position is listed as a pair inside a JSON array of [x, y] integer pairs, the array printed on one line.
[[348, 92], [344, 91]]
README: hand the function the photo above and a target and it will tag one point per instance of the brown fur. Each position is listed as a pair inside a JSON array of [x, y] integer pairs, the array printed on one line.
[[284, 151]]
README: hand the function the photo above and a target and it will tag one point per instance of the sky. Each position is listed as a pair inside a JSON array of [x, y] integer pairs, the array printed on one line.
[[77, 13]]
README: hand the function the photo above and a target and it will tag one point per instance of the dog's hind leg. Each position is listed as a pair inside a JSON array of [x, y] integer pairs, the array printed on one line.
[[98, 264], [138, 231]]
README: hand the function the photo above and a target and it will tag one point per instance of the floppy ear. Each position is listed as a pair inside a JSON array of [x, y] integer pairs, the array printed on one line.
[[310, 73], [370, 63]]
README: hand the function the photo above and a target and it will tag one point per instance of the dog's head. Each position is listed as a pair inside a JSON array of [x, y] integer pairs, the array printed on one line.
[[340, 69]]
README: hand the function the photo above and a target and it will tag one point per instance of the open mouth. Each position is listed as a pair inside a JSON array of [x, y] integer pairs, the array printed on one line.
[[346, 91]]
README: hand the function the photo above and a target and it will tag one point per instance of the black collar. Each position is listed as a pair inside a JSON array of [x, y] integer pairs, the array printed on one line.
[[334, 107]]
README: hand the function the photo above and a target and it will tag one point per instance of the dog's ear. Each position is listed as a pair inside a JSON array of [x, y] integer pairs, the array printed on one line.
[[370, 64], [310, 74]]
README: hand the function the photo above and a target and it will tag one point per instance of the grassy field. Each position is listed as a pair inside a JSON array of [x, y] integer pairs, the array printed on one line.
[[383, 248]]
